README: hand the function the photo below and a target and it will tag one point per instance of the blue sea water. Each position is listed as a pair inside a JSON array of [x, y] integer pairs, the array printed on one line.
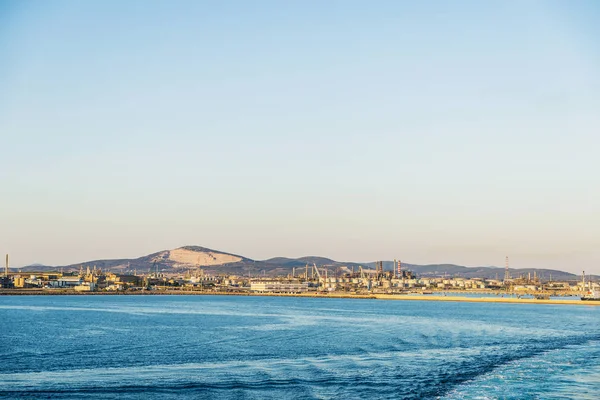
[[163, 347]]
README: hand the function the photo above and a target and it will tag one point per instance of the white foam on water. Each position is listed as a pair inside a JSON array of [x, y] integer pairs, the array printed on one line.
[[176, 371], [328, 350], [562, 373]]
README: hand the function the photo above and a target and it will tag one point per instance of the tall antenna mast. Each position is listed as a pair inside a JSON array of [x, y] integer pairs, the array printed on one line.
[[506, 273]]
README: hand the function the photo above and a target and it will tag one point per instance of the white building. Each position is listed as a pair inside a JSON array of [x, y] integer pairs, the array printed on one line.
[[86, 287], [278, 287]]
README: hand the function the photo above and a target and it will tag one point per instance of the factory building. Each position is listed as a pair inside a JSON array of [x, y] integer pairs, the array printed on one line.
[[67, 282], [86, 287]]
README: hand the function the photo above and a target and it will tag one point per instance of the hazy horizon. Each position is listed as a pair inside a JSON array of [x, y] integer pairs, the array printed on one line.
[[430, 132]]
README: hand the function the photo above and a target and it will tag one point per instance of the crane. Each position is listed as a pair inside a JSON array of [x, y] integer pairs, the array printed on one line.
[[317, 271], [362, 272]]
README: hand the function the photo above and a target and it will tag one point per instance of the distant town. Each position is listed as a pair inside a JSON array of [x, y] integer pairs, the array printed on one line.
[[310, 279]]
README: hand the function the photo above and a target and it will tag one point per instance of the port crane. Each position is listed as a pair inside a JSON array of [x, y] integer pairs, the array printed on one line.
[[362, 272], [316, 270]]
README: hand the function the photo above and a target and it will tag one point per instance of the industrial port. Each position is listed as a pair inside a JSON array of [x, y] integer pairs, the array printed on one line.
[[310, 280]]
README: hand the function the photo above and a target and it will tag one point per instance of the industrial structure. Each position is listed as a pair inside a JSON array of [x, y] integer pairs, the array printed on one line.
[[279, 286], [5, 280], [324, 279]]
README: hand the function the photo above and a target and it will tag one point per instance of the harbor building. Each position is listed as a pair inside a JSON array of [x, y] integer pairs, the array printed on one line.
[[273, 286], [67, 282], [86, 287]]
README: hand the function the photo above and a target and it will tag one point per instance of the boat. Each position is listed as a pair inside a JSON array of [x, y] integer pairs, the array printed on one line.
[[591, 295]]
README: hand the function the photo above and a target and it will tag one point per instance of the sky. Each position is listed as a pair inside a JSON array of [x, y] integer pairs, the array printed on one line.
[[432, 131]]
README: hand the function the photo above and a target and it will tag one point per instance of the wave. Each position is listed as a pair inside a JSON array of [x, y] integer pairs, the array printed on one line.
[[441, 370]]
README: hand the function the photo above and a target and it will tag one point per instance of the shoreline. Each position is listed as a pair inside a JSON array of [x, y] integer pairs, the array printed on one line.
[[486, 300], [397, 297]]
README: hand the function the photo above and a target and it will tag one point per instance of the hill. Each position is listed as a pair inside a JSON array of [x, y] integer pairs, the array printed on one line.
[[185, 257]]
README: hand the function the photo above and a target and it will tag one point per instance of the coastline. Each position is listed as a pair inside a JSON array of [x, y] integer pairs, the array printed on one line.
[[486, 300], [399, 297]]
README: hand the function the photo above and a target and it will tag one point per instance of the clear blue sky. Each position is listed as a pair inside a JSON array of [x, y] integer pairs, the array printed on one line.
[[434, 131]]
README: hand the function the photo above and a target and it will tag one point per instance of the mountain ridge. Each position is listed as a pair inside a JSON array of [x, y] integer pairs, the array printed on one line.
[[216, 261]]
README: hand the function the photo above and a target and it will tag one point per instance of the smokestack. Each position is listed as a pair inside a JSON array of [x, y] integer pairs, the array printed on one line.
[[6, 269]]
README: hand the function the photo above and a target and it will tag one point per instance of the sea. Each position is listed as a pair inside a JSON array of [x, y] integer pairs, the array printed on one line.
[[247, 347]]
